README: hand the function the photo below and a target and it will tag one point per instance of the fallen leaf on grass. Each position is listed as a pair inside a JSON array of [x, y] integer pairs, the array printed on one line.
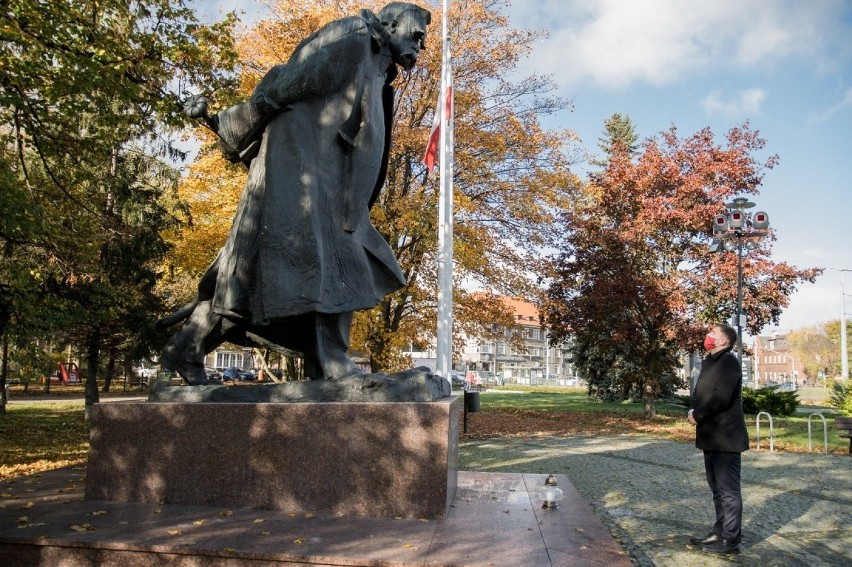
[[258, 521], [174, 532], [23, 519], [409, 546], [99, 513], [299, 540], [29, 505], [230, 550], [83, 528], [264, 533], [226, 513], [309, 515], [199, 522]]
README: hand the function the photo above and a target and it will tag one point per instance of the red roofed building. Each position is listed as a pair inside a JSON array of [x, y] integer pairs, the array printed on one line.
[[535, 363]]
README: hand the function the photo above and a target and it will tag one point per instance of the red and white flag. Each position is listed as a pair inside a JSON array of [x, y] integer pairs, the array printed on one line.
[[443, 119]]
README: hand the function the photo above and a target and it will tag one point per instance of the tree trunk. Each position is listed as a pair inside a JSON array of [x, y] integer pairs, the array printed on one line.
[[650, 402], [4, 374], [109, 370], [92, 345]]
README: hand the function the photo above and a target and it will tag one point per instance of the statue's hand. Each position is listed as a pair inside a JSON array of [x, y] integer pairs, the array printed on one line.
[[196, 107]]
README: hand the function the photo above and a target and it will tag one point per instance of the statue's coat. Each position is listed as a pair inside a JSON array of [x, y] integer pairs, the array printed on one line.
[[302, 240]]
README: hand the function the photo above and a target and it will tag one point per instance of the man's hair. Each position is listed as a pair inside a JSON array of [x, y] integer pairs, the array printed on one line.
[[729, 332], [392, 11]]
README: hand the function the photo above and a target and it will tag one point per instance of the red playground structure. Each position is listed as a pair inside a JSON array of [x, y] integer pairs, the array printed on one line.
[[65, 373]]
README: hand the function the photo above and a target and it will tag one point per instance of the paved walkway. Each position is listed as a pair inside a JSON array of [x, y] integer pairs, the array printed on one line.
[[652, 495]]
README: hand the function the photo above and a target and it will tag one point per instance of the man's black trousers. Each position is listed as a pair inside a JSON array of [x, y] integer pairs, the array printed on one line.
[[723, 476]]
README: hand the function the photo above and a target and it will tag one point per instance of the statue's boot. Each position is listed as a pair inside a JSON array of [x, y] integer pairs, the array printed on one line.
[[326, 358], [187, 348]]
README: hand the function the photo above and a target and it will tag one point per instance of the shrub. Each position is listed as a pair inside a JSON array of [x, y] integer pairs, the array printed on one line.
[[841, 397], [770, 400]]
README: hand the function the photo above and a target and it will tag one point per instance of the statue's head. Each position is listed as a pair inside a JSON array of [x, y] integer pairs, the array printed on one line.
[[406, 24]]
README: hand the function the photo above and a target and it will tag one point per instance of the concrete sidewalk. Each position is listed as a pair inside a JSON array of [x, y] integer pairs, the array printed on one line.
[[652, 495]]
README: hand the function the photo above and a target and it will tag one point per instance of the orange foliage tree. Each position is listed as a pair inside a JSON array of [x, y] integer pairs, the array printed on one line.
[[511, 177], [633, 283]]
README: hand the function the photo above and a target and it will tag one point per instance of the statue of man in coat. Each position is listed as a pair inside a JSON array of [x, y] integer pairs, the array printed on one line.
[[302, 255]]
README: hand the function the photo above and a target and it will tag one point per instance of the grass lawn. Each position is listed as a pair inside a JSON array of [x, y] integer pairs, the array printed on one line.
[[40, 436], [570, 411], [37, 435]]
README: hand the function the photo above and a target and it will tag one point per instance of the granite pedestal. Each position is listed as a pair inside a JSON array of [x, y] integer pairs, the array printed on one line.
[[395, 460]]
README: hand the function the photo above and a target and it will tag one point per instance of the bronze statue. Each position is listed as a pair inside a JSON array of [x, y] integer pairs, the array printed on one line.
[[302, 255]]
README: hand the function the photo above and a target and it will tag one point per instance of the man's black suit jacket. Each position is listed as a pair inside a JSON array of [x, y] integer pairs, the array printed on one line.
[[718, 406]]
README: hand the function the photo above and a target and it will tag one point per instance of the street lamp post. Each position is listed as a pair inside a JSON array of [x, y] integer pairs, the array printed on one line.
[[729, 231], [844, 353]]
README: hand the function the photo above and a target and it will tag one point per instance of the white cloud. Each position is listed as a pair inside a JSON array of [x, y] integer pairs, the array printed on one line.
[[845, 102], [613, 43], [747, 103]]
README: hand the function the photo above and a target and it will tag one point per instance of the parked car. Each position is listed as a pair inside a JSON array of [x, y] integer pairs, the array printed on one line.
[[237, 374], [212, 373], [457, 380], [490, 378], [145, 371]]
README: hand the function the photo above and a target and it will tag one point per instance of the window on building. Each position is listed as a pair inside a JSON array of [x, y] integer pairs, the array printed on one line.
[[229, 360]]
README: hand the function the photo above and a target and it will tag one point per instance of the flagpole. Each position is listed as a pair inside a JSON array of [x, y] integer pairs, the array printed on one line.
[[444, 363]]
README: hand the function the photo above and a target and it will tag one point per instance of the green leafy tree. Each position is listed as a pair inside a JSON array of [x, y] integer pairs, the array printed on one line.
[[619, 134], [90, 93]]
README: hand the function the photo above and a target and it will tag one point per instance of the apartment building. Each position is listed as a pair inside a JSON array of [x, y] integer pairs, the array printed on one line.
[[535, 362], [773, 362]]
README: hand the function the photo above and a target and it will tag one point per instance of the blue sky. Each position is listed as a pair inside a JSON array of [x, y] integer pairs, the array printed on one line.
[[783, 65]]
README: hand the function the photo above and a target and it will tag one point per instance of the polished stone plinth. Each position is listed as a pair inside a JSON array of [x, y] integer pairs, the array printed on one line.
[[396, 460], [495, 520]]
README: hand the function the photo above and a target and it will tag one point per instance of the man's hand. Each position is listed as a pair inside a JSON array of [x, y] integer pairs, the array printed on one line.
[[691, 419]]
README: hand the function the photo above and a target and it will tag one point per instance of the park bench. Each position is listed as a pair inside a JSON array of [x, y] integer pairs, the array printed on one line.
[[844, 427]]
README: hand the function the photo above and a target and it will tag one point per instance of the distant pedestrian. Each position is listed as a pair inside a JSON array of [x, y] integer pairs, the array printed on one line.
[[716, 410]]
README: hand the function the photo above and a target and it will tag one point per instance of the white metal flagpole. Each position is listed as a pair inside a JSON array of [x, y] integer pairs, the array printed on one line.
[[445, 214]]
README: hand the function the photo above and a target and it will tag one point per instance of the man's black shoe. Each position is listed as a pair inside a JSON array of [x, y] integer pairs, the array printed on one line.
[[709, 539], [723, 547]]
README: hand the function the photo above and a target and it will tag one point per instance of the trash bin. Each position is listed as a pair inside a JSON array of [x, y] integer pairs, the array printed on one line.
[[471, 401]]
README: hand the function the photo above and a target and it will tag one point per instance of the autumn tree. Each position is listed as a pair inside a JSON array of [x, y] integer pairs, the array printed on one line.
[[816, 348], [633, 282], [511, 176], [90, 96]]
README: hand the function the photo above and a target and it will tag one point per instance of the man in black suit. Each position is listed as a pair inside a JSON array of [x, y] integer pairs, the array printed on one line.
[[720, 431]]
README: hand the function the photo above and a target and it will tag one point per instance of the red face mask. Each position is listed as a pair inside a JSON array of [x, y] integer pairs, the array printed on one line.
[[709, 342]]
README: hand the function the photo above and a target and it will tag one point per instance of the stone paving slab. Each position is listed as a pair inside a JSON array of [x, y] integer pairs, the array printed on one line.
[[652, 495], [495, 520]]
